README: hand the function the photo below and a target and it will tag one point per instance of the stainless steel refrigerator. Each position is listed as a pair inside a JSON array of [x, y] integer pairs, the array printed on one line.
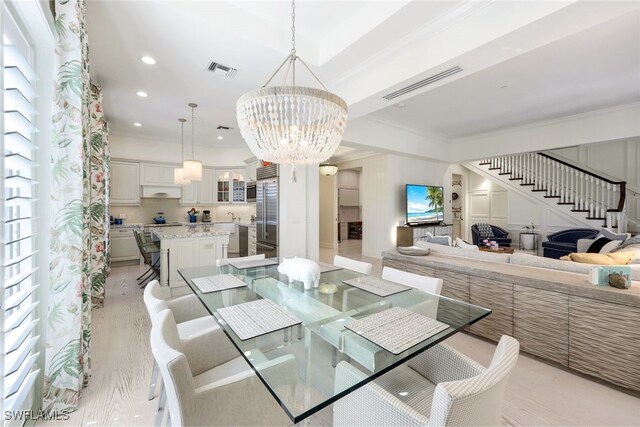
[[267, 211]]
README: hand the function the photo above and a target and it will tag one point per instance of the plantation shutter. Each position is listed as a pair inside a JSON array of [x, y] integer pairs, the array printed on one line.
[[19, 342]]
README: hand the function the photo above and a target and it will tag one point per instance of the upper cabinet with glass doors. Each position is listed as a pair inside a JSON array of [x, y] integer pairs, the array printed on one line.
[[230, 187]]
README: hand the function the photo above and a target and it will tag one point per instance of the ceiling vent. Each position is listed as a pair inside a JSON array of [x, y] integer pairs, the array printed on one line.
[[422, 83], [217, 68]]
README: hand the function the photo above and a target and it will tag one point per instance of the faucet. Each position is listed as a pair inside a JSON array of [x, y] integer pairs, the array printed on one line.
[[233, 217]]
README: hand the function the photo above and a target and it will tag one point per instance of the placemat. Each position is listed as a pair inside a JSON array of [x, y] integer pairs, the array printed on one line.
[[325, 268], [255, 318], [376, 286], [396, 329], [251, 263], [218, 283]]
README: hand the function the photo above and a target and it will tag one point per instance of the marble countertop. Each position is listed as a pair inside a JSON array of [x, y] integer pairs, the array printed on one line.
[[188, 231]]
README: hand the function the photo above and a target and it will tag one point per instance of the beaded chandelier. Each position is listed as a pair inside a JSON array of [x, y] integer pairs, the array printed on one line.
[[292, 124]]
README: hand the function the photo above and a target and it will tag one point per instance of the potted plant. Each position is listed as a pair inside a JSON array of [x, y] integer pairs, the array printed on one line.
[[528, 237]]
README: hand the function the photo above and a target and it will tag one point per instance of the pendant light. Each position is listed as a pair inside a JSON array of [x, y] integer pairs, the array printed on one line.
[[292, 124], [328, 170], [178, 173], [192, 168]]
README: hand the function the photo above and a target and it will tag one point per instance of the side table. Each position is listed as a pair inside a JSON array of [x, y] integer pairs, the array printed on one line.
[[528, 236]]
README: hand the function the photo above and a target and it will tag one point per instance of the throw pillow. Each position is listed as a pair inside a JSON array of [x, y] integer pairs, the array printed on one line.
[[612, 235], [466, 245], [484, 230], [616, 258], [611, 247], [440, 240], [598, 244]]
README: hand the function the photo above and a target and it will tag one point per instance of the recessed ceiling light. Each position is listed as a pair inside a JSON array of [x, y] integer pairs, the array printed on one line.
[[136, 124], [148, 60], [142, 94], [220, 137]]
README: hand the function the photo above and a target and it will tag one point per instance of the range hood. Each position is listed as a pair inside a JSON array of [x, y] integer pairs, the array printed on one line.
[[161, 192]]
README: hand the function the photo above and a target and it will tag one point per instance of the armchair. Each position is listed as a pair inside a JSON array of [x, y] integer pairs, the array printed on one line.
[[500, 235], [566, 241]]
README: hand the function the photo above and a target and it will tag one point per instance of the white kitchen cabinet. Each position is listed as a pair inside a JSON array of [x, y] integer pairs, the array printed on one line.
[[205, 187], [152, 174], [230, 186], [250, 171], [199, 192], [125, 183], [189, 193], [123, 245]]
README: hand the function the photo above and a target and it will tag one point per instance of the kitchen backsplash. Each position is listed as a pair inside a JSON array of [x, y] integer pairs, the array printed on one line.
[[173, 211]]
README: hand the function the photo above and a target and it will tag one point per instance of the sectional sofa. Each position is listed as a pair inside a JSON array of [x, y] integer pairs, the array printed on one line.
[[547, 304]]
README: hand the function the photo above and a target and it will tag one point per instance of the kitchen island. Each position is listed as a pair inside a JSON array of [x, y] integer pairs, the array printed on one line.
[[187, 246]]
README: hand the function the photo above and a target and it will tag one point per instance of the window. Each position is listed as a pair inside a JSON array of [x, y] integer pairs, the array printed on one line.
[[20, 341]]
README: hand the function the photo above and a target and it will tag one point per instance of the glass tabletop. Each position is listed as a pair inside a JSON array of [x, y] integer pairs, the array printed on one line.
[[297, 364]]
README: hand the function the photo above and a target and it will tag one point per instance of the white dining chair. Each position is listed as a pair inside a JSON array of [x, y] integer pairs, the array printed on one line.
[[417, 281], [440, 387], [225, 261], [352, 264], [207, 385], [192, 319]]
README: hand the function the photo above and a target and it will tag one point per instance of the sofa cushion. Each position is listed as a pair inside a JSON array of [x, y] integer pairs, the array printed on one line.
[[439, 240], [611, 246], [529, 260], [616, 258], [466, 245], [453, 251], [613, 235], [635, 248], [598, 244]]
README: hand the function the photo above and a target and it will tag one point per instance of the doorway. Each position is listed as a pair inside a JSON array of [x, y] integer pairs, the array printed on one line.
[[349, 212], [457, 197]]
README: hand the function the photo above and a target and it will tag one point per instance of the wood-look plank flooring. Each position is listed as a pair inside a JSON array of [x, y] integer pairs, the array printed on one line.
[[537, 394]]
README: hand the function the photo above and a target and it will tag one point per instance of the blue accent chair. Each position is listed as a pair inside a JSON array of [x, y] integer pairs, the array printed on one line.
[[566, 241], [499, 235]]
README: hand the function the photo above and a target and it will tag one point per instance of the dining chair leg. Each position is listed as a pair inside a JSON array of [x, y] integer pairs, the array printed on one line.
[[154, 379], [162, 396], [161, 410]]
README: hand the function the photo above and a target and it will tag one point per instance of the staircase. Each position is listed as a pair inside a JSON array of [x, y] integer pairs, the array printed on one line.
[[587, 194]]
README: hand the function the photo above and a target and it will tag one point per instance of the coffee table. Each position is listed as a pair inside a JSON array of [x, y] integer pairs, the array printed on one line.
[[497, 251]]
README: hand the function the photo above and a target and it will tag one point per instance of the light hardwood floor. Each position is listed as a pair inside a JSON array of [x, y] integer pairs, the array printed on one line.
[[537, 394]]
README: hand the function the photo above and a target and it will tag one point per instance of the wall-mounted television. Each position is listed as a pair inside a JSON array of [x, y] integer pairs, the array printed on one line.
[[425, 204]]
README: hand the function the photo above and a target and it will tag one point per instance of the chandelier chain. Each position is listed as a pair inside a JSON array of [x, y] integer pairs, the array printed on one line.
[[193, 127], [293, 29]]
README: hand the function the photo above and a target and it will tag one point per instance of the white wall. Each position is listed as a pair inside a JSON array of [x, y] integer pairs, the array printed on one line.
[[328, 212], [488, 202], [125, 147], [298, 233]]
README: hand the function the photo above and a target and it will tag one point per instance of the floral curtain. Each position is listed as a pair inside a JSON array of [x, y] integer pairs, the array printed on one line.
[[99, 176], [79, 226]]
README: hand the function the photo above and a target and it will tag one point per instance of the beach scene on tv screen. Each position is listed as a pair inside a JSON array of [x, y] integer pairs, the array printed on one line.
[[424, 204]]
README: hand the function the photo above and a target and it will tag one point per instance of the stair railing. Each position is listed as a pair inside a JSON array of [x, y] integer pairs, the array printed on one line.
[[585, 191]]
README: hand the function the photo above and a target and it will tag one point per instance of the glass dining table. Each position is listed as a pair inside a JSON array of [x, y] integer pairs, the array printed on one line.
[[321, 340]]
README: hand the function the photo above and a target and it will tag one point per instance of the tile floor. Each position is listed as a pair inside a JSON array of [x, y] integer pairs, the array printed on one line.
[[537, 394]]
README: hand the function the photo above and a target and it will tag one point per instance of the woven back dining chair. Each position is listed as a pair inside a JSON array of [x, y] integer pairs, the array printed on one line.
[[440, 387]]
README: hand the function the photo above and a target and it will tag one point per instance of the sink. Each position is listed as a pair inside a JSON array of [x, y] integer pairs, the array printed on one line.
[[231, 227]]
